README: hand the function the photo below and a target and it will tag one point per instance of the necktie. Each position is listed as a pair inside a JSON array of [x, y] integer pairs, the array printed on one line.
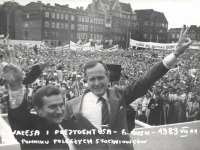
[[105, 113]]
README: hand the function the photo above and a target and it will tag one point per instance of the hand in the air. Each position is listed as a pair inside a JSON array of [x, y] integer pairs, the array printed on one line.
[[11, 70], [183, 42]]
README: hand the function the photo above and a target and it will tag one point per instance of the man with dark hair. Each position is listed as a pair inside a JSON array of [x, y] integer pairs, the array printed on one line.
[[104, 108], [49, 105], [35, 131], [156, 109]]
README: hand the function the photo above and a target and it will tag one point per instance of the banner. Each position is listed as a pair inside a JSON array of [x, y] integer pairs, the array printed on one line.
[[1, 36], [29, 45], [113, 49], [159, 46], [180, 136]]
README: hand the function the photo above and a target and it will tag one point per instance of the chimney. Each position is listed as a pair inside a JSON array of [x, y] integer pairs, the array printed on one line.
[[77, 7], [39, 2], [48, 4], [81, 8]]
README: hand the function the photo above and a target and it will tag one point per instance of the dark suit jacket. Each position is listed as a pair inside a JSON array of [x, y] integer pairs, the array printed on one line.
[[120, 98], [155, 115], [21, 119]]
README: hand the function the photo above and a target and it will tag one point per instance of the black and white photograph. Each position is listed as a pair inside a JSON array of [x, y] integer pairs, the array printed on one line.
[[99, 75]]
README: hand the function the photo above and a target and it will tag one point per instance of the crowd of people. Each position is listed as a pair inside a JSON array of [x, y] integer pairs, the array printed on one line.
[[172, 99], [73, 92]]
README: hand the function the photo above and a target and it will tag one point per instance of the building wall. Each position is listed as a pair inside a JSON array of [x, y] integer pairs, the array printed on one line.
[[152, 26], [59, 24], [28, 28], [193, 34]]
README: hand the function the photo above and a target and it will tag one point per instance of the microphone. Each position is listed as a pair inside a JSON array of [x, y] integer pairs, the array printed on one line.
[[34, 74]]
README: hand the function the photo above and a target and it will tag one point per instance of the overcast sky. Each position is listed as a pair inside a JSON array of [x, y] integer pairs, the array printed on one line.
[[177, 12]]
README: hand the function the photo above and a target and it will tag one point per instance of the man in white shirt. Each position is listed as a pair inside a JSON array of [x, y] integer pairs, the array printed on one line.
[[104, 108]]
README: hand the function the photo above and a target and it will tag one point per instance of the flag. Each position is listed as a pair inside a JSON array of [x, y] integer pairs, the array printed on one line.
[[5, 40], [79, 42]]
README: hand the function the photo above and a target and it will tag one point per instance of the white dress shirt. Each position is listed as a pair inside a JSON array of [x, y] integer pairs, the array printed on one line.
[[91, 108]]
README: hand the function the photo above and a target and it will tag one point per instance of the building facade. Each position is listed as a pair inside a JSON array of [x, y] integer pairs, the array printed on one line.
[[102, 20], [120, 21], [59, 24], [193, 34], [55, 25], [152, 26]]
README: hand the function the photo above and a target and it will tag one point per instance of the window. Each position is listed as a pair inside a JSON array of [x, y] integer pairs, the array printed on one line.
[[98, 21], [66, 16], [46, 24], [52, 34], [57, 35], [124, 16], [94, 36], [173, 35], [61, 25], [61, 16], [91, 28], [81, 35], [72, 26], [72, 35], [57, 25], [177, 36], [58, 15], [66, 26], [53, 24], [79, 18], [128, 24], [95, 20], [72, 17], [27, 16], [101, 20], [26, 24], [86, 19], [157, 24], [78, 36], [166, 25], [86, 27], [198, 36], [53, 15], [46, 14], [45, 33], [163, 37], [82, 19], [151, 23], [91, 20], [192, 36], [145, 23], [145, 36]]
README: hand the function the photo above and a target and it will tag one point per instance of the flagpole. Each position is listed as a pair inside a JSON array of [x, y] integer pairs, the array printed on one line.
[[8, 28], [157, 38]]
